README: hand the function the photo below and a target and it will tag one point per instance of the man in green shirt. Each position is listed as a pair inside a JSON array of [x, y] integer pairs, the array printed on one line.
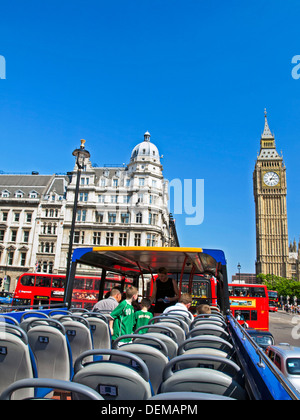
[[143, 316], [123, 318]]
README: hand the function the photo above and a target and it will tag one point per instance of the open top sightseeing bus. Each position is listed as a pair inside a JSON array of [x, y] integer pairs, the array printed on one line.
[[198, 271]]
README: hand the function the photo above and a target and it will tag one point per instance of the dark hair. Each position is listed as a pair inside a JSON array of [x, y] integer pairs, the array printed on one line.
[[146, 303]]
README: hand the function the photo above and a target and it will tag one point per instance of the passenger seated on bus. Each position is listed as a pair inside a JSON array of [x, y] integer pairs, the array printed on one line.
[[165, 291], [123, 318], [184, 304], [106, 306], [203, 309], [143, 316]]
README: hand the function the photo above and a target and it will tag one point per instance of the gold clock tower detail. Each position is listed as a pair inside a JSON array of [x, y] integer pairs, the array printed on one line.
[[269, 181]]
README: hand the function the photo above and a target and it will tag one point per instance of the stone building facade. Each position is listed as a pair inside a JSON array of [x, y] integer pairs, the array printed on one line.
[[124, 205]]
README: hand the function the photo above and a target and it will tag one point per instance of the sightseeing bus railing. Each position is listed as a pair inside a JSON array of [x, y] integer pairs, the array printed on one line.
[[264, 361]]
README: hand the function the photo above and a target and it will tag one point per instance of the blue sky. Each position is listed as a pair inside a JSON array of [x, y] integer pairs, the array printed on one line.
[[197, 74]]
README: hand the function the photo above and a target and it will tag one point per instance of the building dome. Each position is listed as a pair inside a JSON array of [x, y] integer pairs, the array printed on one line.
[[145, 149]]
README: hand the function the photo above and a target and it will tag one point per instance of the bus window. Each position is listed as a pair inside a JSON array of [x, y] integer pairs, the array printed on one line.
[[27, 281], [89, 284], [43, 282], [59, 283], [245, 291]]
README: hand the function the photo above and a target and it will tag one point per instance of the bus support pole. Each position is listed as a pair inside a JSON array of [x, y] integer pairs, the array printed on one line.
[[80, 154]]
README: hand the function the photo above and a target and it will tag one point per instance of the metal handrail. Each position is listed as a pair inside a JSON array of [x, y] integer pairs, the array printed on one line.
[[263, 358]]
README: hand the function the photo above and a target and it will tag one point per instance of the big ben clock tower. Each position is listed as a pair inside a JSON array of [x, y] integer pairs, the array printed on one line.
[[269, 181]]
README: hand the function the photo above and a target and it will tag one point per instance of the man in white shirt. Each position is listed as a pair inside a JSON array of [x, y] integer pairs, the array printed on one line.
[[182, 306]]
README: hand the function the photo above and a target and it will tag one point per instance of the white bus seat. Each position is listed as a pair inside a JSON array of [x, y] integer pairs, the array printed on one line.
[[208, 361], [78, 333], [199, 322], [200, 379], [185, 316], [206, 341], [100, 330], [51, 349], [28, 316], [211, 316], [182, 396], [114, 381], [167, 335], [208, 329], [9, 319], [16, 361], [155, 358], [173, 319], [57, 313], [86, 392]]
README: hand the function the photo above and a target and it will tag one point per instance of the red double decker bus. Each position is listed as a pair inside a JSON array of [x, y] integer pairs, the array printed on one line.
[[249, 304], [46, 289], [273, 300]]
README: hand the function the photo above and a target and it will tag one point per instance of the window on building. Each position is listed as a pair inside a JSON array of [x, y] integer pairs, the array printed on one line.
[[17, 217], [10, 258], [115, 182], [139, 218], [112, 217], [99, 217], [13, 237], [97, 238], [29, 217], [124, 217], [109, 238], [151, 239], [23, 259], [141, 182], [2, 233], [114, 199], [122, 239], [26, 236], [81, 215], [76, 237], [137, 239], [4, 216]]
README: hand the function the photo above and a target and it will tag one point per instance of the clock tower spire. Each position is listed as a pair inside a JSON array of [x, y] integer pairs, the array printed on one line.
[[269, 184]]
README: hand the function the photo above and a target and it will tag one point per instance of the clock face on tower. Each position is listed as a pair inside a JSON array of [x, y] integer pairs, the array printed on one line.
[[271, 179]]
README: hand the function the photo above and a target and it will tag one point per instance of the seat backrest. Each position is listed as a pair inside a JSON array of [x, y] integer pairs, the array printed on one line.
[[87, 393], [199, 322], [209, 360], [114, 381], [28, 316], [208, 329], [201, 379], [100, 330], [165, 334], [173, 319], [155, 358], [15, 359], [50, 347], [206, 341], [78, 333]]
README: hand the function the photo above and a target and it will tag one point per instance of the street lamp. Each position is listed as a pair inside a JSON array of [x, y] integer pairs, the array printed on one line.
[[81, 154], [239, 269]]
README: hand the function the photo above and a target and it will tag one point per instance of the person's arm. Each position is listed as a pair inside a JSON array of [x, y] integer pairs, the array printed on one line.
[[111, 326], [153, 296]]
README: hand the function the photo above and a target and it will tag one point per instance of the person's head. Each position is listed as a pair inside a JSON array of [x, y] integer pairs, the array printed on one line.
[[162, 273], [146, 303], [186, 299], [115, 293], [132, 293], [203, 309]]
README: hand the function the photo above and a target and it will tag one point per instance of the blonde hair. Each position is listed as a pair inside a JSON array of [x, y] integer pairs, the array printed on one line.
[[131, 291], [186, 298]]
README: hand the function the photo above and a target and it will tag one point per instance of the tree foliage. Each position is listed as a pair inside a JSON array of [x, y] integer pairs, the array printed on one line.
[[284, 287]]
